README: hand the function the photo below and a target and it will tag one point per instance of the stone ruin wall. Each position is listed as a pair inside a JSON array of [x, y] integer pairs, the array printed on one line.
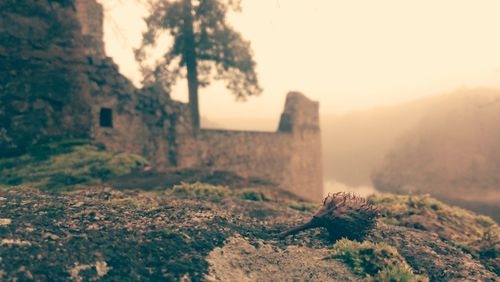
[[301, 119], [43, 89], [290, 157], [56, 85], [91, 17], [144, 121]]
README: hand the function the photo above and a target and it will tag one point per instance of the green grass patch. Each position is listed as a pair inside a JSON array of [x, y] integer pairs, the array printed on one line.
[[142, 201], [66, 164], [254, 195], [206, 191], [374, 261], [304, 206], [200, 191]]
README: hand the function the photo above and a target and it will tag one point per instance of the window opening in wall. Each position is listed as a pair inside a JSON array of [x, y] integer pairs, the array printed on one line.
[[106, 117]]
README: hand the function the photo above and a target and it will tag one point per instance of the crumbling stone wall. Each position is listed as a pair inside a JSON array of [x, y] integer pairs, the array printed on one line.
[[305, 172], [250, 154], [290, 157], [56, 82], [43, 90], [144, 121], [91, 18]]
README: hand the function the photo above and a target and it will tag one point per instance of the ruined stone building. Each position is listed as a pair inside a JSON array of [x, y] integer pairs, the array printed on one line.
[[57, 82]]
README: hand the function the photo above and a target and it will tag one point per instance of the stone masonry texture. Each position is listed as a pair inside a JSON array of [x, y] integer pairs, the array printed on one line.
[[55, 82]]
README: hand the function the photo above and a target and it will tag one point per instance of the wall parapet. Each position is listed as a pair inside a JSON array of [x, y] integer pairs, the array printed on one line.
[[300, 114]]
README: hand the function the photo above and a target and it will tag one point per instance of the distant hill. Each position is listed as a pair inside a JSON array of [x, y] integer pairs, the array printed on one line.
[[452, 153], [355, 143]]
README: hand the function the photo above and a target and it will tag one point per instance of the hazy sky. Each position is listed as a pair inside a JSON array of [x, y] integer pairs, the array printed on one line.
[[346, 54]]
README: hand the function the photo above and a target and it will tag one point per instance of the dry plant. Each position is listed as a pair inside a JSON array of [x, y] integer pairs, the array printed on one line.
[[343, 215]]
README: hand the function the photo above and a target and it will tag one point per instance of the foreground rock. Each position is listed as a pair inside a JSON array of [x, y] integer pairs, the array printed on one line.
[[201, 232], [238, 260]]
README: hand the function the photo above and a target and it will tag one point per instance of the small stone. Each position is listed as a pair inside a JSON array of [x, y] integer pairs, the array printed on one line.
[[15, 242], [75, 271], [28, 275], [51, 236], [101, 268], [5, 221], [93, 226]]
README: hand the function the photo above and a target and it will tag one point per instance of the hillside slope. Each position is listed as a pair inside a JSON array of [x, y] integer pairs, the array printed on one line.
[[355, 143], [453, 153]]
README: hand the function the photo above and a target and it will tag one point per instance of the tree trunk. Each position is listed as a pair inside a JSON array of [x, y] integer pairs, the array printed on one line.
[[191, 65]]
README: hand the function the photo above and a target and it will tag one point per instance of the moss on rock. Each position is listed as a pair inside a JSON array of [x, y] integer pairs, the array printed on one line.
[[475, 234], [374, 261], [64, 165]]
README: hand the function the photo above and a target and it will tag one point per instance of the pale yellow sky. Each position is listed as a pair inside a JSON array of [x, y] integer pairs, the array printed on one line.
[[346, 54]]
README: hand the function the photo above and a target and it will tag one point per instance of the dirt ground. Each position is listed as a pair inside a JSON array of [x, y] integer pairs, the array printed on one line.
[[100, 233]]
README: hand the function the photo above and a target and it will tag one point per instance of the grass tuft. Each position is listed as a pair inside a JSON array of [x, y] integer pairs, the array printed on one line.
[[210, 192], [200, 191], [374, 261], [254, 195]]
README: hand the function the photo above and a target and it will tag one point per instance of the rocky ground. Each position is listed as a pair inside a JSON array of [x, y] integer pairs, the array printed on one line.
[[71, 211], [202, 232]]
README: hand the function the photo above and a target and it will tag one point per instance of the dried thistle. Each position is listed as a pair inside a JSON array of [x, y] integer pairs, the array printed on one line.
[[343, 215]]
